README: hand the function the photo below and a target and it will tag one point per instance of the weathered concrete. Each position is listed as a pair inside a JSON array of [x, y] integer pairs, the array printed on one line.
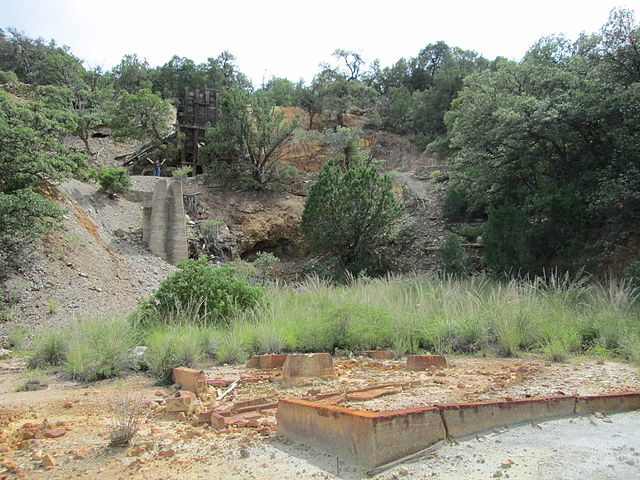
[[165, 230], [380, 354], [300, 366], [181, 401], [463, 419], [190, 379], [617, 402], [274, 360], [364, 438], [425, 362]]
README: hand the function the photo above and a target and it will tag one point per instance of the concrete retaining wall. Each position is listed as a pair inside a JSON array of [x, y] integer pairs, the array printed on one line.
[[617, 402], [364, 438], [463, 419], [371, 439]]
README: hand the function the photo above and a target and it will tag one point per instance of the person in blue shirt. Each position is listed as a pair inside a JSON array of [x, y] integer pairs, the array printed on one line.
[[157, 164]]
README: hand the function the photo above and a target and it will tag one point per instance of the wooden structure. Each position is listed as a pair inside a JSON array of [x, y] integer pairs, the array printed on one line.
[[196, 111]]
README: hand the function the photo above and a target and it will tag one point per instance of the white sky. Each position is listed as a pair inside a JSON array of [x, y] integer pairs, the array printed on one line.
[[287, 38]]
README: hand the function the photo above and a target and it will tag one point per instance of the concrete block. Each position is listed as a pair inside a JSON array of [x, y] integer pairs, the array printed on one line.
[[249, 403], [190, 379], [180, 401], [364, 438], [616, 402], [299, 366], [275, 360], [380, 354], [425, 362], [463, 419]]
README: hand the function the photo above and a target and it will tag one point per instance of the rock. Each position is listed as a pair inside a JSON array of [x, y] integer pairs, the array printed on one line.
[[4, 353], [68, 404], [244, 453], [181, 417], [48, 461], [81, 453], [170, 452], [404, 471], [120, 233], [55, 433]]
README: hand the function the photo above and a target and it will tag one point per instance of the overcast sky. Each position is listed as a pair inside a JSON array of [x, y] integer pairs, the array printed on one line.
[[287, 38]]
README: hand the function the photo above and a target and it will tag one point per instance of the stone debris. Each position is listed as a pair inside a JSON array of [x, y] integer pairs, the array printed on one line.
[[181, 401]]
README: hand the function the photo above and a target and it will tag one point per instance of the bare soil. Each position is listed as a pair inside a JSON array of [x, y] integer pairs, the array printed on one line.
[[168, 448]]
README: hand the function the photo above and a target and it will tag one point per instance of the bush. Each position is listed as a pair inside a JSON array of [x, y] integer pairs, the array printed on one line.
[[182, 172], [214, 292], [114, 181], [632, 274], [50, 348], [454, 258]]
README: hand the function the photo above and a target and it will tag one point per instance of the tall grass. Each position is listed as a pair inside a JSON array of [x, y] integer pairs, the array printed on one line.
[[555, 316]]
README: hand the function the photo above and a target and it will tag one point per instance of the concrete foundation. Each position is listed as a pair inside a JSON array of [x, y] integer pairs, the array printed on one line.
[[275, 360], [364, 438], [190, 379], [300, 366], [425, 362], [464, 419], [371, 439], [163, 223], [617, 402]]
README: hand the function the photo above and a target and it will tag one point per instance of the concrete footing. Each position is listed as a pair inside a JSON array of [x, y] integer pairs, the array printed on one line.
[[190, 379], [371, 439], [364, 438], [425, 362], [275, 360], [298, 367]]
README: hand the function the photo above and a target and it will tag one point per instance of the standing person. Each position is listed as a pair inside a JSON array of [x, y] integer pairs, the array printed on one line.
[[156, 166]]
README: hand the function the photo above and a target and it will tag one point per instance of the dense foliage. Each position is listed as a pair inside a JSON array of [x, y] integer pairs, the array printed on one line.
[[30, 154], [548, 147], [211, 294]]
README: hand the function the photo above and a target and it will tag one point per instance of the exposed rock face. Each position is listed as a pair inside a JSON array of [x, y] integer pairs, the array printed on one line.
[[299, 367]]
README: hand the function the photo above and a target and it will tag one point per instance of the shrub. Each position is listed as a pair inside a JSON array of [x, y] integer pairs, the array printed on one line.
[[50, 348], [99, 349], [33, 380], [453, 256], [217, 292], [182, 172], [632, 274], [264, 264], [128, 414], [114, 181]]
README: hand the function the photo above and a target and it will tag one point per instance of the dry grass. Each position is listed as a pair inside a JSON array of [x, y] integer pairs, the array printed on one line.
[[129, 413]]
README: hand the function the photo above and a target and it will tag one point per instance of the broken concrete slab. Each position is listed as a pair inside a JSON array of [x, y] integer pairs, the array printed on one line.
[[190, 379], [181, 401], [365, 438], [425, 362], [616, 402], [380, 354], [300, 366], [275, 360], [373, 393], [464, 419]]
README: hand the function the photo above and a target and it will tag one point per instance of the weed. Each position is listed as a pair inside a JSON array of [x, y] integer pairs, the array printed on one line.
[[128, 414], [16, 337], [50, 348], [53, 305], [99, 349]]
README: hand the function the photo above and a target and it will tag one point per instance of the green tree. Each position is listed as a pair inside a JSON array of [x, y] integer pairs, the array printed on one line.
[[251, 132], [30, 152], [132, 74], [351, 215], [141, 115]]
